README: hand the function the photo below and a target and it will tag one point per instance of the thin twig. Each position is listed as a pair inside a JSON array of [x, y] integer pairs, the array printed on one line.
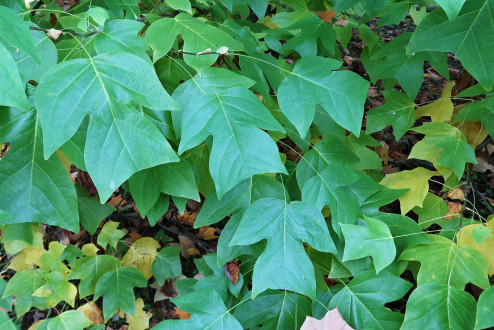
[[485, 143], [195, 54], [196, 240], [83, 35]]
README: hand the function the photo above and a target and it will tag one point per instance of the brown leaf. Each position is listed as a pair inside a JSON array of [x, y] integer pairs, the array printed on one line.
[[326, 16], [207, 233], [188, 247], [383, 152], [331, 321], [453, 210], [456, 193], [66, 4], [342, 22], [92, 312], [182, 315], [231, 271], [483, 165], [188, 218], [373, 91]]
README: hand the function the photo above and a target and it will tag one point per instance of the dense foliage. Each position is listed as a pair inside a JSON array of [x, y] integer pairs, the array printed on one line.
[[261, 112]]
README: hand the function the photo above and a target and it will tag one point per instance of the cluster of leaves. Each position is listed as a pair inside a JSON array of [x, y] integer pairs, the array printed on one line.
[[176, 100]]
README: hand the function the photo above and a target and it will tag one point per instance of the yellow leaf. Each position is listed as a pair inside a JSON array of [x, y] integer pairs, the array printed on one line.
[[141, 255], [15, 246], [89, 250], [441, 109], [331, 321], [27, 258], [140, 320], [92, 312], [473, 130], [416, 180], [66, 163], [465, 238]]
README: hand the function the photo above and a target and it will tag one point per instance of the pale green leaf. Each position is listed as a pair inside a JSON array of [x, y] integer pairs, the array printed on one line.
[[183, 5], [69, 320], [372, 239], [23, 284], [12, 89], [485, 309], [120, 35], [284, 264], [109, 234]]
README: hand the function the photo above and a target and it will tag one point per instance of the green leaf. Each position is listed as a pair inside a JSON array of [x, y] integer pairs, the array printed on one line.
[[120, 35], [451, 7], [312, 29], [167, 264], [240, 149], [18, 35], [91, 211], [211, 313], [341, 93], [197, 36], [109, 234], [361, 301], [274, 310], [90, 269], [33, 189], [485, 308], [108, 85], [159, 208], [11, 93], [56, 289], [69, 320], [440, 306], [433, 210], [3, 215], [441, 109], [284, 264], [116, 287], [176, 179], [5, 302], [444, 145], [471, 41], [23, 285], [183, 5], [374, 239], [398, 111], [446, 263], [416, 180], [482, 111], [6, 322]]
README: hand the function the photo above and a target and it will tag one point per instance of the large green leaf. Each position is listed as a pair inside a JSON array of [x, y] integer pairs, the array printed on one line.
[[240, 149], [23, 284], [439, 306], [119, 136], [210, 313], [361, 301], [33, 189], [176, 179], [12, 89], [197, 36], [482, 111], [312, 29], [69, 320], [117, 289], [374, 239], [398, 111], [284, 264], [274, 310], [341, 93], [446, 263], [472, 40]]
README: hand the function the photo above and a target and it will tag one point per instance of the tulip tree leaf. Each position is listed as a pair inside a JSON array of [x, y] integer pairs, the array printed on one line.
[[374, 239], [91, 211], [398, 111], [167, 264], [117, 289], [33, 189], [119, 136], [485, 308], [66, 321], [12, 90], [198, 37], [361, 301], [284, 264], [440, 306], [472, 40], [446, 263], [23, 284], [211, 313], [341, 93], [240, 148], [275, 310]]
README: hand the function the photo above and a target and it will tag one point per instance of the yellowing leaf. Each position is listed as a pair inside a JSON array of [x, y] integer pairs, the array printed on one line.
[[417, 180], [56, 289], [331, 321], [89, 250], [50, 260], [465, 238], [92, 312], [27, 258], [141, 255], [439, 110], [140, 320], [15, 246], [456, 193]]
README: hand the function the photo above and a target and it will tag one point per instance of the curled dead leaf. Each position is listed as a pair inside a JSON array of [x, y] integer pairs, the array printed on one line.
[[188, 218], [326, 16], [181, 315], [92, 312], [54, 34], [231, 271], [454, 209], [207, 233], [456, 193]]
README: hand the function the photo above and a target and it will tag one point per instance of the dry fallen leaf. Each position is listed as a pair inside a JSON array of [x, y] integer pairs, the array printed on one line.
[[168, 290], [140, 319], [188, 218], [453, 210], [483, 165], [141, 255], [383, 152], [231, 271], [326, 16], [342, 22], [207, 233], [66, 4], [182, 315], [331, 321], [188, 247], [92, 312], [456, 193]]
